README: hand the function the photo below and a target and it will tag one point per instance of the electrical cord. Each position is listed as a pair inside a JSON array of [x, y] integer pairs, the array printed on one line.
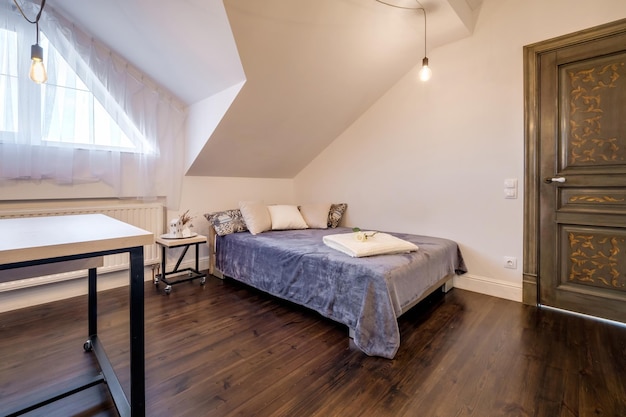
[[36, 21]]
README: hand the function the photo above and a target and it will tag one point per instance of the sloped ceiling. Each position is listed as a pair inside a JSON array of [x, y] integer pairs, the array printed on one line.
[[185, 45], [311, 67]]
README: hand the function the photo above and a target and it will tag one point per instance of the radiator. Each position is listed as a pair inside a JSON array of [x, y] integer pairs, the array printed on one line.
[[145, 216]]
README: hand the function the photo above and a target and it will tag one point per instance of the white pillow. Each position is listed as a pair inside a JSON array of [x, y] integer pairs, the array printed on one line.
[[256, 216], [285, 217], [315, 215]]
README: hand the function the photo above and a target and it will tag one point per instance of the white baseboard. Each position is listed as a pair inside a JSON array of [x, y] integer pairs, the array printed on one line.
[[489, 286], [41, 294]]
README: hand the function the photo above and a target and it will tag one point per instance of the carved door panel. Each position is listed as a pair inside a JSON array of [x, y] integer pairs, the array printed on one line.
[[582, 200]]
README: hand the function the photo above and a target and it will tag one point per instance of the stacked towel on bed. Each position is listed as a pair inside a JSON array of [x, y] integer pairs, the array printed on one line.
[[375, 244]]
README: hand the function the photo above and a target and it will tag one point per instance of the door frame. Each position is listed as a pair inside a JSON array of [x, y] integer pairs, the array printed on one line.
[[532, 182]]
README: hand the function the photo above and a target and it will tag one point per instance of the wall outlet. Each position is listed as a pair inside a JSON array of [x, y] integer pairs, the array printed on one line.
[[510, 262]]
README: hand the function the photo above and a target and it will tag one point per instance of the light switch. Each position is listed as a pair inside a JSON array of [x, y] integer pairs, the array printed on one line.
[[510, 188], [510, 183]]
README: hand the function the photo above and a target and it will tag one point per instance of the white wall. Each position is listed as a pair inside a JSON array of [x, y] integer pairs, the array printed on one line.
[[431, 158], [203, 117], [201, 195]]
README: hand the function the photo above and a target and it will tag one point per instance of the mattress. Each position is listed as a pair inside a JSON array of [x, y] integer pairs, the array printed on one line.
[[366, 294]]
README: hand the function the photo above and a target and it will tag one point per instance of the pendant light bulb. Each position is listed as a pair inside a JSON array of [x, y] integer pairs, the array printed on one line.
[[37, 69], [425, 73]]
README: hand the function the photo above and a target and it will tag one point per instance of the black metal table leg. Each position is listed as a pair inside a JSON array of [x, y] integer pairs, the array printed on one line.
[[92, 302], [192, 273], [137, 342], [125, 408], [180, 259], [162, 262]]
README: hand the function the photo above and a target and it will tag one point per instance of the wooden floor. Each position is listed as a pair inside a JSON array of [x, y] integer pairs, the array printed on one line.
[[225, 350]]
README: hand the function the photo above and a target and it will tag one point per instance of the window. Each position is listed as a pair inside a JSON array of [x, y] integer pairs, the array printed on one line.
[[69, 113], [97, 119], [8, 81]]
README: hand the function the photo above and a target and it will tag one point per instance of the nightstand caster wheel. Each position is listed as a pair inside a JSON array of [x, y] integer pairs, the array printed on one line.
[[202, 280], [156, 280], [87, 346], [168, 289]]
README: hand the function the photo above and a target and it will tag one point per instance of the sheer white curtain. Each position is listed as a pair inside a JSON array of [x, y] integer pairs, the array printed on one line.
[[150, 117]]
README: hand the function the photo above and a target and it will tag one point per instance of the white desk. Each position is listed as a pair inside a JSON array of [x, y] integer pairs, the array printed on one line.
[[37, 241]]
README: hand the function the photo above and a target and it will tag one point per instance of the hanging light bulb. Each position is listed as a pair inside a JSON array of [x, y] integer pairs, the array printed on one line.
[[425, 73], [37, 69]]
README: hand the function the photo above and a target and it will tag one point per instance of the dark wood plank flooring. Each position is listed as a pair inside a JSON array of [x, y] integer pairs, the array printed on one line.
[[226, 350]]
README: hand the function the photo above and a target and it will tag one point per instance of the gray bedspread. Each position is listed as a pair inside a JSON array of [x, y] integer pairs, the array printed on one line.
[[366, 294]]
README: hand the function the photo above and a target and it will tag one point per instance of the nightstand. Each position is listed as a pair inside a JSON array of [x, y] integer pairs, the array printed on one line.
[[186, 274]]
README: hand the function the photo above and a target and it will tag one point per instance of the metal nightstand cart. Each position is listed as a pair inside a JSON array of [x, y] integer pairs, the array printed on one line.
[[186, 274]]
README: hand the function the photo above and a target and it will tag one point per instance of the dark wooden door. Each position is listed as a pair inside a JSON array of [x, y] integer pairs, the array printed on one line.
[[582, 166]]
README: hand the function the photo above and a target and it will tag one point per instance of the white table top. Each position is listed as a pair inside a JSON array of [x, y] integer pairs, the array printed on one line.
[[33, 238], [180, 241]]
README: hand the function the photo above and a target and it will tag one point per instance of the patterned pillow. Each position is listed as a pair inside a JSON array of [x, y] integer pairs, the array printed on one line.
[[335, 214], [227, 221]]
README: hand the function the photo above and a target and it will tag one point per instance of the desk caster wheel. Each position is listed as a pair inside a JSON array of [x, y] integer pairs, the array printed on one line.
[[156, 279], [87, 346], [202, 280], [168, 289]]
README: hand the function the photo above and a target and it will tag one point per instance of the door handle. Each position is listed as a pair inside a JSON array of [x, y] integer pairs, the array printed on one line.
[[555, 179]]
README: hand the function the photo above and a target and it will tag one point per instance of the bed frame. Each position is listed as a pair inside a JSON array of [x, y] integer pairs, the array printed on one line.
[[445, 284]]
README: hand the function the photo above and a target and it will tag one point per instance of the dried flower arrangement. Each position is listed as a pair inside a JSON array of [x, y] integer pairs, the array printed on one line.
[[185, 218]]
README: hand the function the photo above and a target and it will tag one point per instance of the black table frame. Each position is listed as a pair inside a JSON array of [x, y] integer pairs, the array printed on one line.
[[136, 406], [193, 273]]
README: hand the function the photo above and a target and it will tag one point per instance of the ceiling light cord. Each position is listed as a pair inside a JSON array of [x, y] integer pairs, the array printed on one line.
[[36, 21], [425, 72], [403, 7], [37, 69]]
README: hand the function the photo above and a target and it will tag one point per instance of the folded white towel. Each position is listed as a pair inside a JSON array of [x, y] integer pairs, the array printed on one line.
[[375, 244]]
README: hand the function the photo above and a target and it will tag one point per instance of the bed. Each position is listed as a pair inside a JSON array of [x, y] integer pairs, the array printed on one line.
[[367, 294]]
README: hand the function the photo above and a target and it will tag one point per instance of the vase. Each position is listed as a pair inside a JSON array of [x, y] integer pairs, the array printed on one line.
[[176, 228]]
